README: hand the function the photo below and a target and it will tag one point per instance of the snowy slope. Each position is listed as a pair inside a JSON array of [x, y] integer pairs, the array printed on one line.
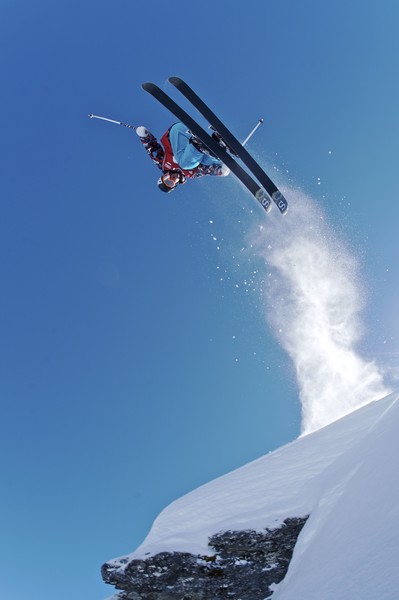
[[343, 475], [350, 546]]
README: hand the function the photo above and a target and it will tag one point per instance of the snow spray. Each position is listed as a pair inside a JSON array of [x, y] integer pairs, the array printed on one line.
[[314, 299]]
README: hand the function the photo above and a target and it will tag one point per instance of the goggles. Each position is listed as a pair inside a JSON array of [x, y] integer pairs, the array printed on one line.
[[169, 181]]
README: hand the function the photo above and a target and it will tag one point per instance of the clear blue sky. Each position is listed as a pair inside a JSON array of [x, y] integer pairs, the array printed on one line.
[[120, 385]]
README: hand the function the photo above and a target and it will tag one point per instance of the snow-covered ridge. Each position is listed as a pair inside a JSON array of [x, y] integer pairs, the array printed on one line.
[[344, 476], [289, 481]]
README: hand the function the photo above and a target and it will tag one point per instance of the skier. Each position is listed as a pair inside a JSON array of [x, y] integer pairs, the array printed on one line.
[[181, 156]]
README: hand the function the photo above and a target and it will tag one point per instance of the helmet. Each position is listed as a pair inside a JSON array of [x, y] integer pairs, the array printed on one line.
[[170, 180]]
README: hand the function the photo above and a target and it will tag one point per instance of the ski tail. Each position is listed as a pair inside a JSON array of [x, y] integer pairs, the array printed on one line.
[[245, 178], [232, 142]]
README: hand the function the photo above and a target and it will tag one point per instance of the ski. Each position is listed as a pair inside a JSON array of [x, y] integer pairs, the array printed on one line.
[[232, 143], [245, 178]]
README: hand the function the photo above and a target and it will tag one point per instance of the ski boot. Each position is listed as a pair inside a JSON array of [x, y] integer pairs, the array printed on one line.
[[218, 138]]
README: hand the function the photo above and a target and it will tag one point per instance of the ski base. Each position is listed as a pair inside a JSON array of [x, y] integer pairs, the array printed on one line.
[[237, 148], [264, 197]]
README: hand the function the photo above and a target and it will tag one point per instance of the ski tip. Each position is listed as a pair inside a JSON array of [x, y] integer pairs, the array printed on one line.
[[90, 115], [177, 82], [147, 85]]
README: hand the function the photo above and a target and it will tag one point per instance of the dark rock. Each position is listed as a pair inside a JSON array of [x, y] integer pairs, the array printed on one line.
[[241, 565]]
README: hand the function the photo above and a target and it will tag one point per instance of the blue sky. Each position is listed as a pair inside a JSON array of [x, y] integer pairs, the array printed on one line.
[[131, 371]]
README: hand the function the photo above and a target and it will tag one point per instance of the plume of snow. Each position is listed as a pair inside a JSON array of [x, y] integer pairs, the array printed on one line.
[[314, 300]]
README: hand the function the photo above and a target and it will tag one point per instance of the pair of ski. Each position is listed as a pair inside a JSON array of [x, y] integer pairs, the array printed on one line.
[[265, 191]]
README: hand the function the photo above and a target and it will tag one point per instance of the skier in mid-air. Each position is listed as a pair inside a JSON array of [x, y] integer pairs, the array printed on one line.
[[180, 156], [187, 151]]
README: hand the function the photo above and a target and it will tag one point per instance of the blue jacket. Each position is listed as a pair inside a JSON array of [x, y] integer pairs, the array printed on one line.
[[186, 155]]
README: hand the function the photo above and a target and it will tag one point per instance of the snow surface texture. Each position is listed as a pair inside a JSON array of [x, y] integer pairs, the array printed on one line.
[[344, 476], [314, 301]]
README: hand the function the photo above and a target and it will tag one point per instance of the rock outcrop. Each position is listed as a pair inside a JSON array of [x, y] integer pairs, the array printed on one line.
[[240, 565]]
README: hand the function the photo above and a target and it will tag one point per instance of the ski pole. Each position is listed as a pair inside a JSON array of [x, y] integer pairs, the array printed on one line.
[[111, 121], [252, 132]]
